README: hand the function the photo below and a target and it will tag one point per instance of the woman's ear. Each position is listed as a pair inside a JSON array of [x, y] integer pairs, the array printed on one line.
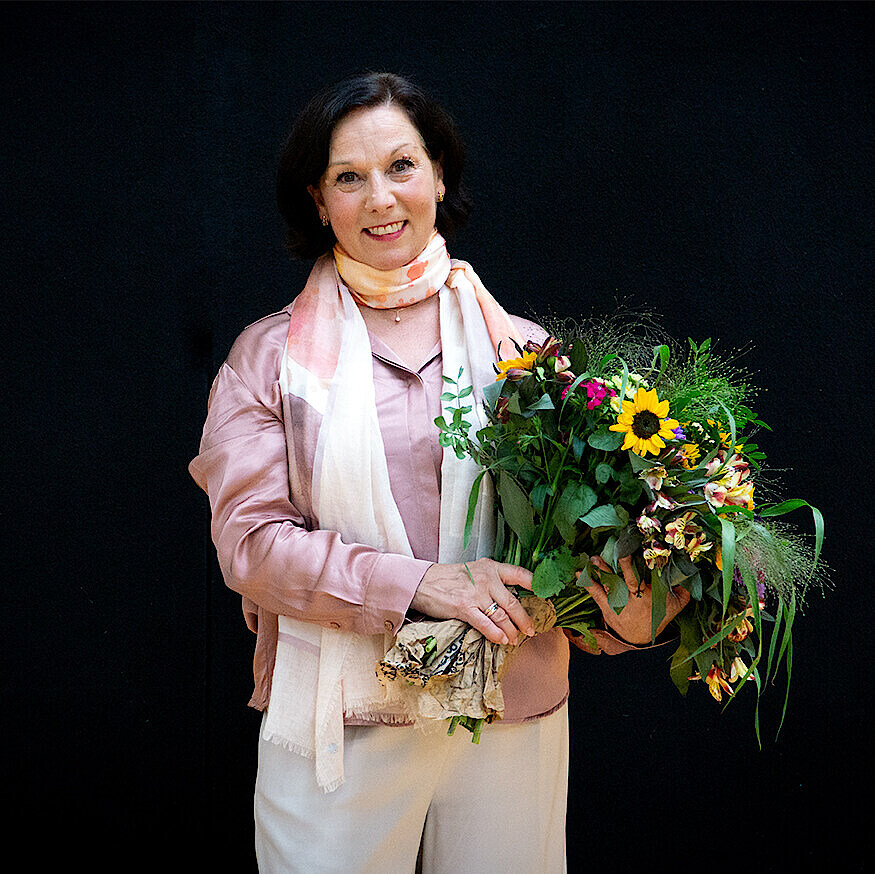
[[316, 194], [439, 176]]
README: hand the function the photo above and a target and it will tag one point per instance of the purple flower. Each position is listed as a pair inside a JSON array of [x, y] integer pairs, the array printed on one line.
[[679, 433]]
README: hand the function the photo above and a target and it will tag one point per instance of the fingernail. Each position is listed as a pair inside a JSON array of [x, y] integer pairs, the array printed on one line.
[[531, 631]]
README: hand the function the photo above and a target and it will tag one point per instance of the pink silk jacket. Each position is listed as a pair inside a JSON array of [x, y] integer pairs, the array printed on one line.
[[268, 543]]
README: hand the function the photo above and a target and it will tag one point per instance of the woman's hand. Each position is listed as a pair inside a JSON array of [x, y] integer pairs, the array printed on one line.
[[447, 591], [633, 621]]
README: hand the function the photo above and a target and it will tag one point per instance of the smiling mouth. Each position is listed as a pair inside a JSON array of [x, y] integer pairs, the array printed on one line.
[[385, 230]]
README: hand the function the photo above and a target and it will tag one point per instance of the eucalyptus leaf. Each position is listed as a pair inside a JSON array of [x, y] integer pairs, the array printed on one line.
[[608, 441], [605, 515], [517, 509]]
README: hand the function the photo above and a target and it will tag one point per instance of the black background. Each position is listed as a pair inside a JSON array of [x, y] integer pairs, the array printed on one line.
[[709, 161]]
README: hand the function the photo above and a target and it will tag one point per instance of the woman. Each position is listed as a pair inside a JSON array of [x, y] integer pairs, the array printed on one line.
[[335, 514]]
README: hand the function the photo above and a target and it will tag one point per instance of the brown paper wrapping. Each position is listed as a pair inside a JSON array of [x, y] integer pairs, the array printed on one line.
[[460, 675]]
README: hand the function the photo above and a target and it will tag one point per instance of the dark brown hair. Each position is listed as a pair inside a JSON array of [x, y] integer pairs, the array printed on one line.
[[305, 156]]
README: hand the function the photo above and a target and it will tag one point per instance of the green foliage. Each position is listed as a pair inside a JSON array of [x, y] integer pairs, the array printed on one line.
[[566, 490]]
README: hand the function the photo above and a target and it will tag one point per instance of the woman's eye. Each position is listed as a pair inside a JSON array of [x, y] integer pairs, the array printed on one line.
[[403, 165], [346, 178]]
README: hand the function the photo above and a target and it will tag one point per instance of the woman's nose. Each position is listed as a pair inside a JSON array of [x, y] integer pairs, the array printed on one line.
[[380, 195]]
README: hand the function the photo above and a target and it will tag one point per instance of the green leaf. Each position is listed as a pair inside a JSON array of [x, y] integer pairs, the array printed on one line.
[[657, 610], [660, 354], [539, 496], [576, 500], [638, 463], [794, 504], [472, 505], [679, 671], [604, 516], [609, 552], [727, 546], [517, 509], [578, 356], [603, 472], [543, 403], [609, 441], [618, 591], [492, 393], [553, 573]]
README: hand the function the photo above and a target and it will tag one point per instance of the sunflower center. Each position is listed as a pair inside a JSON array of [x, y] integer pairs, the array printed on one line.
[[645, 424]]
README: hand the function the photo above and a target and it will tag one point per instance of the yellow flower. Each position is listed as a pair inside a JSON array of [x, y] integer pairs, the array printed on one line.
[[675, 530], [741, 631], [645, 423], [696, 545], [633, 383], [524, 363], [656, 555], [692, 454], [737, 670], [731, 485], [716, 681]]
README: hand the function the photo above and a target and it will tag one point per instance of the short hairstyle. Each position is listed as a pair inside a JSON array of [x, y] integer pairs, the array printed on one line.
[[305, 155]]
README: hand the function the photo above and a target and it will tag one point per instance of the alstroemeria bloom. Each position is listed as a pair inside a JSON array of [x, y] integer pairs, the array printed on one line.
[[565, 376], [656, 554], [662, 501], [741, 631], [654, 476], [675, 530], [647, 524], [732, 486], [737, 669], [696, 545], [548, 349], [716, 681]]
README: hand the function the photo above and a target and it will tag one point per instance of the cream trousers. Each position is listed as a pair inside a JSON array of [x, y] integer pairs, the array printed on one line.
[[497, 806]]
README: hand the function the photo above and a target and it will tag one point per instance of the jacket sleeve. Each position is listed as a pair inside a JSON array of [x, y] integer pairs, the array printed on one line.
[[264, 549]]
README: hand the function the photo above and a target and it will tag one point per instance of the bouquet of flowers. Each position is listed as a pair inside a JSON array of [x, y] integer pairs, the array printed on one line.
[[603, 443]]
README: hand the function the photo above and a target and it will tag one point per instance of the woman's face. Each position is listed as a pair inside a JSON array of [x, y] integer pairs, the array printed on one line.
[[380, 188]]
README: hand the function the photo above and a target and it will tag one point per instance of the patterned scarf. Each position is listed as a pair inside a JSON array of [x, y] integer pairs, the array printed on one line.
[[322, 674]]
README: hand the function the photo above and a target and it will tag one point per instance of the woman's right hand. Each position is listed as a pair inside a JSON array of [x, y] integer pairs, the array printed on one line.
[[447, 591]]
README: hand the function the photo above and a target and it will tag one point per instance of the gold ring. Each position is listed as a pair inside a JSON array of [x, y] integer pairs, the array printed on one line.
[[491, 609]]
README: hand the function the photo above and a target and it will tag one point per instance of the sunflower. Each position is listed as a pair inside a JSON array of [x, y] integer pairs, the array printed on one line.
[[514, 367], [644, 419]]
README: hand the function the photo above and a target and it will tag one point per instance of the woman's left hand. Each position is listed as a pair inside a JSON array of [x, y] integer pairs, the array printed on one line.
[[633, 621]]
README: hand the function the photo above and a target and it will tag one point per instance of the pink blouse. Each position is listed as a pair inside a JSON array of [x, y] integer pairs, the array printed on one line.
[[279, 565]]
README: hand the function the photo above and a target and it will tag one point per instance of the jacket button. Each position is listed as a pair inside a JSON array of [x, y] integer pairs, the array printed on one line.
[[389, 626]]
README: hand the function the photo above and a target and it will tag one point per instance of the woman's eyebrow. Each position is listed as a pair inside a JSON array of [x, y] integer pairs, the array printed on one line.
[[397, 148]]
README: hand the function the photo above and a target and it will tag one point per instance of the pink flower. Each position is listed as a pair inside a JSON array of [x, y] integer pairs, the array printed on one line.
[[597, 391], [647, 524]]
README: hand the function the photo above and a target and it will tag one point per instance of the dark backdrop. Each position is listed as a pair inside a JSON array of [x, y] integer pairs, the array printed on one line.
[[710, 162]]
